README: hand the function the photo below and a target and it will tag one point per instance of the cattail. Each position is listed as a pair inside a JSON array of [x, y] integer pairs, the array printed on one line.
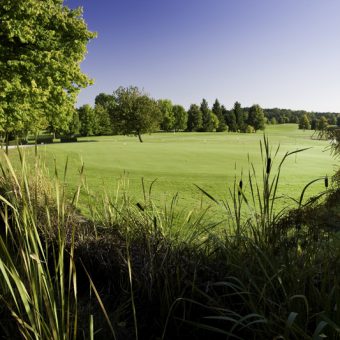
[[240, 185], [268, 165], [326, 181], [140, 206]]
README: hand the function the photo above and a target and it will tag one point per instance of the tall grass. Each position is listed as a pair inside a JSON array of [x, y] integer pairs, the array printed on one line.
[[132, 269], [38, 277]]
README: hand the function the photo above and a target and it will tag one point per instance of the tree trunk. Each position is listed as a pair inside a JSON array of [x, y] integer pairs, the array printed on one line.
[[140, 137]]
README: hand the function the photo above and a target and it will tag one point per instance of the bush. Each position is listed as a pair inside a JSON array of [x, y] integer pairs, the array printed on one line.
[[68, 139], [45, 139], [250, 129]]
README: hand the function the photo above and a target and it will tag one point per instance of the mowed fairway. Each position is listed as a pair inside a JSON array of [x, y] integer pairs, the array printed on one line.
[[177, 161]]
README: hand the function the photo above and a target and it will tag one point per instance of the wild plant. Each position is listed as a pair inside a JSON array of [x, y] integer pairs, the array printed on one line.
[[38, 278]]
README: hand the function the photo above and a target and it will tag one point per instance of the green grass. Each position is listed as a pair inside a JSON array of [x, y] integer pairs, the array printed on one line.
[[180, 160]]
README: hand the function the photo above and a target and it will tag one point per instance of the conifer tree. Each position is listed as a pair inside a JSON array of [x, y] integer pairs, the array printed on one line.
[[207, 121], [217, 110], [194, 118]]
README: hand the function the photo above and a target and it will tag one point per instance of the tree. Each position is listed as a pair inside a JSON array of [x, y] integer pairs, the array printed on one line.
[[322, 123], [217, 110], [304, 122], [250, 129], [214, 121], [194, 118], [273, 121], [87, 118], [42, 44], [230, 119], [256, 117], [314, 124], [107, 101], [105, 113], [75, 125], [207, 123], [240, 116], [103, 120], [181, 117], [136, 113], [168, 119]]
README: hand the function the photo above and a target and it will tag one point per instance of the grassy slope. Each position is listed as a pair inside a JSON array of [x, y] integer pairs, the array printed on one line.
[[177, 161]]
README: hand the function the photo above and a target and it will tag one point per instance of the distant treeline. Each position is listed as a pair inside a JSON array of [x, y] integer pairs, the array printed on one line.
[[131, 111]]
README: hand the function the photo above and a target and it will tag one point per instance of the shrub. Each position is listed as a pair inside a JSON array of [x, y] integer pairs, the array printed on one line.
[[45, 139], [68, 139]]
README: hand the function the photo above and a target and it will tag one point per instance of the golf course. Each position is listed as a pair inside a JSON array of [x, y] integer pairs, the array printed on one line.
[[177, 162]]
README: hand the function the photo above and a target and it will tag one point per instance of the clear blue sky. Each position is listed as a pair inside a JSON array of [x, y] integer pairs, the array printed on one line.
[[277, 53]]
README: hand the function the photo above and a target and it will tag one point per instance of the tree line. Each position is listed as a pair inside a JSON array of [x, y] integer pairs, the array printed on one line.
[[131, 111]]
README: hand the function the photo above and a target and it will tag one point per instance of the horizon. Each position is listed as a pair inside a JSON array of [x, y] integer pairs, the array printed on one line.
[[275, 54]]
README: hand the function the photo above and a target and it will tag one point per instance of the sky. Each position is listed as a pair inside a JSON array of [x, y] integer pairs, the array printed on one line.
[[275, 53]]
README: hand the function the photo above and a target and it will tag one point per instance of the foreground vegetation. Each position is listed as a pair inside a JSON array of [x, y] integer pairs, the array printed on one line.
[[127, 271]]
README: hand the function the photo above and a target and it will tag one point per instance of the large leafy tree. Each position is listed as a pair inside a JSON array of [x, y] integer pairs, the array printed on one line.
[[135, 112], [41, 46], [256, 117], [105, 108], [304, 123], [168, 118], [105, 100], [88, 121], [103, 121], [322, 123], [181, 117]]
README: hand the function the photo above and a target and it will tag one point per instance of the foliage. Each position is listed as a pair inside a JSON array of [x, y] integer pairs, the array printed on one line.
[[75, 124], [88, 122], [217, 109], [164, 273], [304, 123], [256, 117], [218, 119], [167, 115], [207, 120], [103, 120], [273, 121], [42, 44], [135, 112], [39, 288], [250, 129], [333, 134], [322, 123], [181, 118], [195, 121], [240, 116], [230, 119]]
